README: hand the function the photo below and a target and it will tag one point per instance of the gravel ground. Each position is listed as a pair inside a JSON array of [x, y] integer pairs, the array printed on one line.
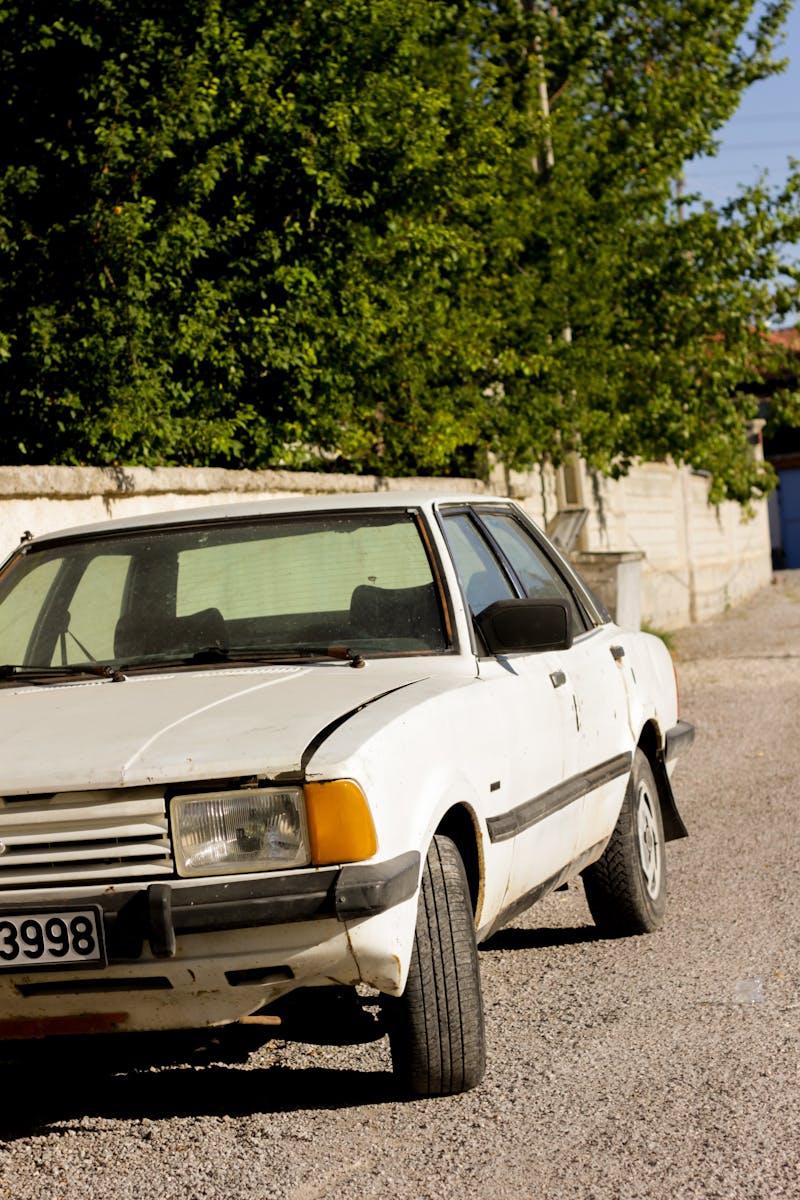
[[661, 1066]]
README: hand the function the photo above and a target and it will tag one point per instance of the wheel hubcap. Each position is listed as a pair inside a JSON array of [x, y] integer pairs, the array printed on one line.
[[649, 841]]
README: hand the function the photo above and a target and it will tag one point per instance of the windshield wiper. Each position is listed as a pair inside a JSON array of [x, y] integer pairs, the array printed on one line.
[[292, 651], [239, 655], [34, 674]]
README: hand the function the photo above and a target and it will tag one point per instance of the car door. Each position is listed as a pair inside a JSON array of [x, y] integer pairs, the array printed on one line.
[[598, 739], [519, 695]]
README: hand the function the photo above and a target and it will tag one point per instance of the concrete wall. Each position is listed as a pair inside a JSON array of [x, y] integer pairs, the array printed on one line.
[[699, 559], [696, 559], [43, 499]]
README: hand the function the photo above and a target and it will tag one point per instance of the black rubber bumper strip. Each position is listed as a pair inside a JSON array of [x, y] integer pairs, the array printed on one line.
[[338, 893], [678, 740], [509, 824], [365, 891]]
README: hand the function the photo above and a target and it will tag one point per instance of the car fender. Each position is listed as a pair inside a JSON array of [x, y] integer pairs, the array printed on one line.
[[415, 763], [649, 676], [653, 712]]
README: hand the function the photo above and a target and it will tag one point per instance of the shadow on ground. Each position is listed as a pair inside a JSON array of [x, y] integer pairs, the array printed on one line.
[[211, 1072], [539, 939], [182, 1092], [233, 1070]]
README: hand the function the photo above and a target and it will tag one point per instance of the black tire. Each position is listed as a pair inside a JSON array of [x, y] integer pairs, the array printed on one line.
[[436, 1028], [626, 888]]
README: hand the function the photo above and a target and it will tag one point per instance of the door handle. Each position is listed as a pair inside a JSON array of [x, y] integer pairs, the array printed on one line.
[[558, 679], [617, 652]]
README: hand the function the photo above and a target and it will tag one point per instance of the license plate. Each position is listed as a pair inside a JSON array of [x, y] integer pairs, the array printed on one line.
[[51, 938]]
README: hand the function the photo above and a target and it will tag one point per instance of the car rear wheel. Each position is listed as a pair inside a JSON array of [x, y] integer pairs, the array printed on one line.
[[626, 889], [436, 1028]]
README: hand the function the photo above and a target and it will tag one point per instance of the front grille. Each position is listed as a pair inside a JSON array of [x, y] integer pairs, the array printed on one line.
[[84, 837]]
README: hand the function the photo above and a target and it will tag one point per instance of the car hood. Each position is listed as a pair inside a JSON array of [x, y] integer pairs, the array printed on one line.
[[199, 725]]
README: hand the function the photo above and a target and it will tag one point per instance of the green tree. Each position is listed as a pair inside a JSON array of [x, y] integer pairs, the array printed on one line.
[[664, 304], [239, 232], [331, 233]]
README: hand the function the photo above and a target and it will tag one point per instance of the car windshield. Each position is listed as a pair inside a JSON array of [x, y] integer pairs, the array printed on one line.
[[271, 587]]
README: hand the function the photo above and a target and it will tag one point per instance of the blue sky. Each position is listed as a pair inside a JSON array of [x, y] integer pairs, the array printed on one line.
[[762, 135]]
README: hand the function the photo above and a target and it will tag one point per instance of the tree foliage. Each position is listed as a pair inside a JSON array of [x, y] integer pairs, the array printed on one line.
[[346, 232]]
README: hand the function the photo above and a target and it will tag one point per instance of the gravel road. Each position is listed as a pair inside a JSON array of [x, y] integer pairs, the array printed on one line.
[[661, 1066]]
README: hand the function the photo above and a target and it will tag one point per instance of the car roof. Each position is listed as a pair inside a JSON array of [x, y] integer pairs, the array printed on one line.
[[288, 505]]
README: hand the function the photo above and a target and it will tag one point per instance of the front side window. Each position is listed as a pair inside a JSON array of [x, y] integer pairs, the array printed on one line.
[[538, 576], [482, 578]]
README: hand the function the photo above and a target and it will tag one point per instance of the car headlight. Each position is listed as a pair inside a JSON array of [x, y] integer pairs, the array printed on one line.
[[252, 829]]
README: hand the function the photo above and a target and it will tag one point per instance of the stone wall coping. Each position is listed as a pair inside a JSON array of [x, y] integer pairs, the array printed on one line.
[[70, 483]]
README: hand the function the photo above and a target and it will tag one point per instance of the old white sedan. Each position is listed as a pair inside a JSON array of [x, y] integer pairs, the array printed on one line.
[[313, 742]]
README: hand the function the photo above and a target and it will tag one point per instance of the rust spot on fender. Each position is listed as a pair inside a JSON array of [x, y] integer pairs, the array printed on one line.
[[388, 983]]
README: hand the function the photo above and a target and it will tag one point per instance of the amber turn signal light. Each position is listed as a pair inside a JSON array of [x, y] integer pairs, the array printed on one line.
[[340, 827]]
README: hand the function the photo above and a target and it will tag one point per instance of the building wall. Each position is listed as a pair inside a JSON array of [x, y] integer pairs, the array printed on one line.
[[696, 559]]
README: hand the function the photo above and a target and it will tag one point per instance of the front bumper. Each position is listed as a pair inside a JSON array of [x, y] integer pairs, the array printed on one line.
[[160, 912]]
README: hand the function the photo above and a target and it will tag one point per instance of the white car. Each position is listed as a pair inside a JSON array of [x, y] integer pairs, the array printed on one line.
[[313, 742]]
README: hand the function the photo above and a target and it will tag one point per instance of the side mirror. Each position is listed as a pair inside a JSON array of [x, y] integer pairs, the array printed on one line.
[[525, 626]]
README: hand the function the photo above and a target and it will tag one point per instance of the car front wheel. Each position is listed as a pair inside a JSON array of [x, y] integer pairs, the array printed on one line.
[[436, 1028], [626, 889]]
